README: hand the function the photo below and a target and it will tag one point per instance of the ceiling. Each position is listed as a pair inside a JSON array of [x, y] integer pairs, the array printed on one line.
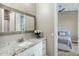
[[68, 6]]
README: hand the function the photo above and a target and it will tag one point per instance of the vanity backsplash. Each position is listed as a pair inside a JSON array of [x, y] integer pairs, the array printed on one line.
[[12, 40]]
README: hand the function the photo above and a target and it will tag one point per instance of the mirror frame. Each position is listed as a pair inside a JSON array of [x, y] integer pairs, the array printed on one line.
[[15, 10]]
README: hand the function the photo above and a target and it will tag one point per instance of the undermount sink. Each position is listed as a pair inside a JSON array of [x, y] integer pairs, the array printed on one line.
[[26, 43]]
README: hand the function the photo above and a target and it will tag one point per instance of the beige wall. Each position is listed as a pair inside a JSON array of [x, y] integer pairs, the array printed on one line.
[[45, 22], [25, 7], [68, 22]]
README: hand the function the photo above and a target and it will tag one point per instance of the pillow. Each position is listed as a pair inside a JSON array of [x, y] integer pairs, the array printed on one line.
[[62, 34]]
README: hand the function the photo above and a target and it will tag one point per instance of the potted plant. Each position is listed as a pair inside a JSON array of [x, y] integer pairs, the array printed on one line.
[[37, 33]]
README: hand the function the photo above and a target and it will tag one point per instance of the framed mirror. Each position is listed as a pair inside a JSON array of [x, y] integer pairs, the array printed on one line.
[[12, 20]]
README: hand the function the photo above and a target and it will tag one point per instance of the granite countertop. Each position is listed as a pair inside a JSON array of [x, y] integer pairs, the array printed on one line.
[[16, 49]]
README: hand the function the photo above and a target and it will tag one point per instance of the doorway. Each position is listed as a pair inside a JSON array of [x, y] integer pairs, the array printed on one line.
[[67, 29]]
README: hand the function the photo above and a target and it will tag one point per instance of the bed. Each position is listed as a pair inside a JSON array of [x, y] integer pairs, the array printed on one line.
[[64, 40]]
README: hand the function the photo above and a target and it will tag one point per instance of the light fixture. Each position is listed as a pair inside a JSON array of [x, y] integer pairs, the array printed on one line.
[[60, 9]]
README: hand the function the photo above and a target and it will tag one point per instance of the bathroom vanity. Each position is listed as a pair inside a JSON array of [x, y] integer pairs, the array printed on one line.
[[38, 48], [12, 22], [31, 47]]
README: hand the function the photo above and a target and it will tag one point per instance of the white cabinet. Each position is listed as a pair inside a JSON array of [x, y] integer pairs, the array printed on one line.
[[44, 48], [27, 52], [40, 49], [37, 50]]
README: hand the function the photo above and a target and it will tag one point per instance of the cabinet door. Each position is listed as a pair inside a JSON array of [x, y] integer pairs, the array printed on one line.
[[27, 52], [44, 48], [38, 50]]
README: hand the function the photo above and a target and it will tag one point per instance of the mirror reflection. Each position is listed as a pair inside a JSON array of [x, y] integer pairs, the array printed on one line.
[[14, 21]]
